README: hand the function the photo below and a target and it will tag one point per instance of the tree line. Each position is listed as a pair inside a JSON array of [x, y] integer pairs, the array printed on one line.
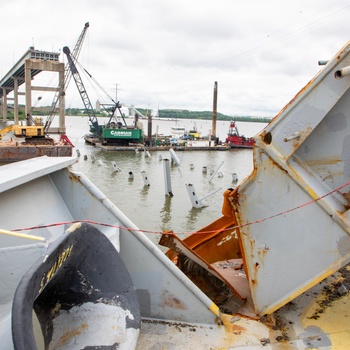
[[162, 113], [187, 114]]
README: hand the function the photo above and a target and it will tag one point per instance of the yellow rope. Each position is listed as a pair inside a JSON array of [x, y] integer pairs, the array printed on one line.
[[21, 235]]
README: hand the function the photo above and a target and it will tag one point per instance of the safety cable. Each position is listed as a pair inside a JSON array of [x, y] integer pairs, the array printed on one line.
[[186, 233]]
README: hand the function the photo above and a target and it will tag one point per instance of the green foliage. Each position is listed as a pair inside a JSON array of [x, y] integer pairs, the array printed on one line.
[[186, 114], [163, 113], [10, 115]]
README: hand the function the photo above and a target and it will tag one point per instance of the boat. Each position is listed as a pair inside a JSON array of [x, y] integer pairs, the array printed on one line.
[[178, 130], [235, 140], [271, 273], [194, 132]]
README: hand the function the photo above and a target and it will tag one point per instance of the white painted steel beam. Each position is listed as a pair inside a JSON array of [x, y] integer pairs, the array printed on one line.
[[294, 208]]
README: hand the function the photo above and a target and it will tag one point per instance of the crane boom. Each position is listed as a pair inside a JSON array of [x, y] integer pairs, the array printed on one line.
[[67, 77], [82, 91]]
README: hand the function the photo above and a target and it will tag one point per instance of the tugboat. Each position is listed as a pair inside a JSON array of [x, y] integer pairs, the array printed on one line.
[[235, 140]]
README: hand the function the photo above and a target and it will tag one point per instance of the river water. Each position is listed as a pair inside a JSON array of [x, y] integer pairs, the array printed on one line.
[[148, 206]]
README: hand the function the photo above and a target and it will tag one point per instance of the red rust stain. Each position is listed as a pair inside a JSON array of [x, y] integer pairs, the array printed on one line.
[[171, 301], [74, 178], [262, 253], [67, 336], [347, 196]]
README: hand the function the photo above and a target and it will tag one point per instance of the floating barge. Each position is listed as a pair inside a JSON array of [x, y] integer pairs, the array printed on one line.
[[13, 151], [140, 147]]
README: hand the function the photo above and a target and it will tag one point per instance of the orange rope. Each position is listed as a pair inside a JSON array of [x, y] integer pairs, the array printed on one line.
[[202, 232]]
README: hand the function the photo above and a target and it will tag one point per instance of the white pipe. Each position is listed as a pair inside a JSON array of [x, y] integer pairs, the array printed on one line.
[[294, 136], [216, 171], [234, 177], [196, 202], [341, 73], [148, 244], [322, 62], [167, 177], [145, 178], [115, 166], [174, 157], [210, 194]]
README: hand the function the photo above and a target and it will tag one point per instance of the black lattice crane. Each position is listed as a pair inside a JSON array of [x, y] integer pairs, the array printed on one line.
[[67, 77]]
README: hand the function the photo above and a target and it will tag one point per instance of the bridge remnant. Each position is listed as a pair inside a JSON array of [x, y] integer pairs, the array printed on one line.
[[28, 66]]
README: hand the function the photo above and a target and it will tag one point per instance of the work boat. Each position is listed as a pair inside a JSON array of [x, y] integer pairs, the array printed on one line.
[[178, 130], [235, 140], [272, 272]]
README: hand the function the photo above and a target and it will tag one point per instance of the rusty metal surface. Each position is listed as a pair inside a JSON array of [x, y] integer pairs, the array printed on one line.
[[292, 212], [317, 319], [177, 315], [207, 277], [15, 153], [299, 182]]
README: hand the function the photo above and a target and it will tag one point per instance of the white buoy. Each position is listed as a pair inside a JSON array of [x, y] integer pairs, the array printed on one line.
[[216, 171], [191, 166], [78, 153], [115, 166], [197, 202], [131, 176], [145, 178], [167, 177], [234, 177], [175, 159]]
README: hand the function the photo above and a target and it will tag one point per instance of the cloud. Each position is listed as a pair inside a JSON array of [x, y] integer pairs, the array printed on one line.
[[170, 53]]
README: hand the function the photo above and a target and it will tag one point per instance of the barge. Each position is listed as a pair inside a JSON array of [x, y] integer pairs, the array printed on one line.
[[271, 273]]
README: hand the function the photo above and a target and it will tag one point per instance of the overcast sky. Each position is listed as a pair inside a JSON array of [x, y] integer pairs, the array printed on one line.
[[168, 53]]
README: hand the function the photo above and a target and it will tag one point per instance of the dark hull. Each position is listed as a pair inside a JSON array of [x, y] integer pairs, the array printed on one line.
[[81, 292], [242, 144]]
